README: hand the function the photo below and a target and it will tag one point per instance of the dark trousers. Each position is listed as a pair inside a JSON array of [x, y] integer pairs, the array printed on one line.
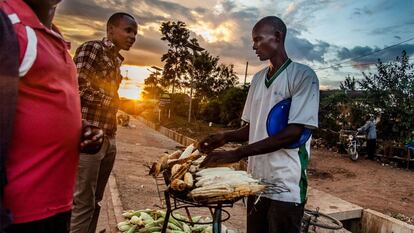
[[59, 223], [371, 148], [270, 216]]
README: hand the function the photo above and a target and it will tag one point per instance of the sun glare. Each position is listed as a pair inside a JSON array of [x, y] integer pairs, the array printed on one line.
[[133, 93]]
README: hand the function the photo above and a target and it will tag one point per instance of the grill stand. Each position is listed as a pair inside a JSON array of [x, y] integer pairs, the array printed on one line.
[[216, 210]]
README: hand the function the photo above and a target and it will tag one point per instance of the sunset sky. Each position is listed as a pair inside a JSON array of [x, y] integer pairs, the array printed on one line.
[[321, 33]]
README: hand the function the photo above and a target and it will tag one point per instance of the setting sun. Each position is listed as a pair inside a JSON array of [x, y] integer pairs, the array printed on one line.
[[133, 93], [132, 83]]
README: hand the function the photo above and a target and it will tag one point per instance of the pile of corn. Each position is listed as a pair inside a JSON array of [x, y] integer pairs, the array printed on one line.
[[223, 183], [212, 184], [151, 221]]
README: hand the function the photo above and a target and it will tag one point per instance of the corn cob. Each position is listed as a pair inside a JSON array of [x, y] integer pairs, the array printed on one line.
[[188, 180], [178, 185], [180, 171], [175, 155], [174, 169]]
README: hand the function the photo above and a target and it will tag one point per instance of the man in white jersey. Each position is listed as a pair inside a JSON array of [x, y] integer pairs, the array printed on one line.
[[280, 208]]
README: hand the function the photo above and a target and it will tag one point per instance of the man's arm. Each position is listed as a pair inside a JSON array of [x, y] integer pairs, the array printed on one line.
[[86, 59], [364, 127], [217, 140], [287, 136]]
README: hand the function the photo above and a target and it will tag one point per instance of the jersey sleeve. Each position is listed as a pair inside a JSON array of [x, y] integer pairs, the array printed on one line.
[[248, 104], [304, 108]]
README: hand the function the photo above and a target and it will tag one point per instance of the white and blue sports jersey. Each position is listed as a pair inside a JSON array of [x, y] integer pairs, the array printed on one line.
[[285, 169]]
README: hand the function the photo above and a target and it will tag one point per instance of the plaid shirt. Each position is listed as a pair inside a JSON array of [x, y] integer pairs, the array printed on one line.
[[99, 72]]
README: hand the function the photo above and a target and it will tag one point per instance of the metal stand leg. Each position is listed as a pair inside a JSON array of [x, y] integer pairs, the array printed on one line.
[[168, 212], [217, 220]]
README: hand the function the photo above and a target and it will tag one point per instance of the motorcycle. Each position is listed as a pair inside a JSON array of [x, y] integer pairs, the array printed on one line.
[[355, 145]]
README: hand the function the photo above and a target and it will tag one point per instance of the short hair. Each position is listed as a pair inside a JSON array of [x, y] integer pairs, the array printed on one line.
[[115, 18], [276, 23]]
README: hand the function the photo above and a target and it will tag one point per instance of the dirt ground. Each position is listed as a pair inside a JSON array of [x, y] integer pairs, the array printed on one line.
[[369, 184], [366, 183]]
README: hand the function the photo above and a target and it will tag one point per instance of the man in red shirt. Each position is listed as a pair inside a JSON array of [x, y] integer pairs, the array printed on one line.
[[44, 148]]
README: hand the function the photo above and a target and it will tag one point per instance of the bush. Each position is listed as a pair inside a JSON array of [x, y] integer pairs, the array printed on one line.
[[232, 104], [210, 111]]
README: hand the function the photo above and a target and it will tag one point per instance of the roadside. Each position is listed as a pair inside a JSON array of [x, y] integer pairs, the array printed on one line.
[[368, 184]]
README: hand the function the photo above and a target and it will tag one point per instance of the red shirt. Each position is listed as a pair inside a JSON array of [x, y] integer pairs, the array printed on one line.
[[44, 152]]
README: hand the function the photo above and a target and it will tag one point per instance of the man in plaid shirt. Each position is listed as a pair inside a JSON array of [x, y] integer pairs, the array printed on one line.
[[98, 63]]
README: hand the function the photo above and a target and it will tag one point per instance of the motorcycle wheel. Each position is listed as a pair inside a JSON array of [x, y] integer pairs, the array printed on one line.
[[353, 154]]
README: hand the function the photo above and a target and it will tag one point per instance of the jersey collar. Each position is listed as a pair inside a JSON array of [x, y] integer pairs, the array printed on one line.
[[269, 82]]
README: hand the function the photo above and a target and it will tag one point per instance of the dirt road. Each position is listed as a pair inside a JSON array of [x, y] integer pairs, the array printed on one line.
[[365, 183]]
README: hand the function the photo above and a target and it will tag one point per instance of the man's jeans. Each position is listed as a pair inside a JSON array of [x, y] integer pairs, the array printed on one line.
[[93, 174]]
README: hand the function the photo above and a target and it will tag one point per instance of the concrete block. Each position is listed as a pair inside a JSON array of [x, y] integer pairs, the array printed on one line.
[[376, 222], [332, 206]]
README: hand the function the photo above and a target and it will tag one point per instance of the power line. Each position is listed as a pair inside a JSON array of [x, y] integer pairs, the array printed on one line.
[[363, 64], [365, 55]]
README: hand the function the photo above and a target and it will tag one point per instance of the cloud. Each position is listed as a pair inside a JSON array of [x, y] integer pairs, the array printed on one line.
[[362, 57], [362, 11], [303, 50], [223, 27]]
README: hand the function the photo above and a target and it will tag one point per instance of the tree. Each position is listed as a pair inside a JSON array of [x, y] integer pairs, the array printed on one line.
[[226, 79], [211, 79], [349, 84], [177, 57], [153, 88], [391, 90]]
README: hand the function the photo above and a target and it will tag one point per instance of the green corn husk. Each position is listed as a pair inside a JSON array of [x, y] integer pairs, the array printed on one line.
[[186, 228], [130, 213], [196, 219], [198, 228], [132, 229], [208, 229], [156, 223], [136, 221], [149, 230], [174, 227], [124, 226], [146, 218], [176, 222]]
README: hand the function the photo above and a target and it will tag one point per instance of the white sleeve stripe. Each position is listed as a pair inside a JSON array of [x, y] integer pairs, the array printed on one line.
[[31, 52], [14, 18]]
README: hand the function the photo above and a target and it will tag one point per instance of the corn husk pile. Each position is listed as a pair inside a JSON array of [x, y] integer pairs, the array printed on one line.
[[223, 183], [151, 221], [204, 185]]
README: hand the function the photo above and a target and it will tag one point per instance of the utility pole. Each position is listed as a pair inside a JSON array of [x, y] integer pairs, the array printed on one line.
[[195, 49], [245, 73]]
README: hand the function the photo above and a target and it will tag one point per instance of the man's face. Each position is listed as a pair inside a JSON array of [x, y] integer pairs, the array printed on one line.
[[266, 41], [123, 35]]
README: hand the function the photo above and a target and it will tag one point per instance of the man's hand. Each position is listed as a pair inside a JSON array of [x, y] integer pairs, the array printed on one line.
[[91, 139], [211, 142], [221, 157]]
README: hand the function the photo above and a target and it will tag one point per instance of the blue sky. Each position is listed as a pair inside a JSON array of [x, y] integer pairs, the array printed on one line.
[[321, 33]]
